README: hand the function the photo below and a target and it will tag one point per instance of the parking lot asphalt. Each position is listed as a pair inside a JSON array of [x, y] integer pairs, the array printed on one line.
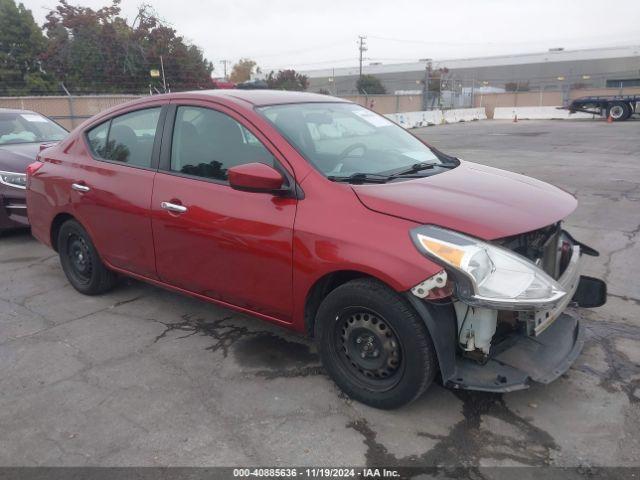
[[142, 376]]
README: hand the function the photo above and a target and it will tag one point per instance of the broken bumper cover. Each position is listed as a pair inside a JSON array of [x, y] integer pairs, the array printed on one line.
[[543, 349], [523, 360]]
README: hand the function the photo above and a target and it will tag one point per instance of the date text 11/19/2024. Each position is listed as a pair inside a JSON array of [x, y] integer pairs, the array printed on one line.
[[316, 472]]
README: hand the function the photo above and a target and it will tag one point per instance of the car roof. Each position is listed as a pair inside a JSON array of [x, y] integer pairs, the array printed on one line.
[[263, 97], [242, 98]]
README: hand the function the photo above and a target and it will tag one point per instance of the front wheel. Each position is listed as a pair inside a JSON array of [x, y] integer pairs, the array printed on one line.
[[81, 262], [374, 345]]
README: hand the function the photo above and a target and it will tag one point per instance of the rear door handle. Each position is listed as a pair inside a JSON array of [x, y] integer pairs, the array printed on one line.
[[173, 207], [80, 187]]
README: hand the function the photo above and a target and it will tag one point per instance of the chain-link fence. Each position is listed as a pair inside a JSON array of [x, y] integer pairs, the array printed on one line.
[[69, 111], [443, 89]]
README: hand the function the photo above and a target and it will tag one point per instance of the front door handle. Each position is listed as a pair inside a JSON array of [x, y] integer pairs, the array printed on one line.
[[173, 207], [80, 187]]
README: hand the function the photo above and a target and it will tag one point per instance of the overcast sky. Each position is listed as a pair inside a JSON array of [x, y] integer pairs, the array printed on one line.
[[323, 34]]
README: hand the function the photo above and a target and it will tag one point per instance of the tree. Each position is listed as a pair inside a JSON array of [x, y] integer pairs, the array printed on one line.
[[242, 71], [370, 85], [287, 80], [21, 45], [437, 79], [98, 51]]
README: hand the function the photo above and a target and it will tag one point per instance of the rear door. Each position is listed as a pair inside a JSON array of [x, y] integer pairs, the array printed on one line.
[[112, 189], [221, 243]]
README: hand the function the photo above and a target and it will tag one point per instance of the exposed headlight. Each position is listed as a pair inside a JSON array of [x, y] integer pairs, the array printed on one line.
[[487, 275], [12, 179]]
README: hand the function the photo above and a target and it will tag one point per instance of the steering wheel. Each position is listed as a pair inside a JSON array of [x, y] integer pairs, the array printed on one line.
[[347, 151]]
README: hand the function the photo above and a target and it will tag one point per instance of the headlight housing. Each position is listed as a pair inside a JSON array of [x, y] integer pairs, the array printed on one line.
[[487, 275], [13, 179]]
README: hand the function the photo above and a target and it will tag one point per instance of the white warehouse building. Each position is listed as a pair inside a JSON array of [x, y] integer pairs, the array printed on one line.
[[555, 69]]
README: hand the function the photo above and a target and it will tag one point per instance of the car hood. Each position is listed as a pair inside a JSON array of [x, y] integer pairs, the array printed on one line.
[[16, 158], [481, 201]]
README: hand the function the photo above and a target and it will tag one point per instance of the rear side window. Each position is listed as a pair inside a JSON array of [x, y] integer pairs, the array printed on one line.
[[127, 139], [207, 143]]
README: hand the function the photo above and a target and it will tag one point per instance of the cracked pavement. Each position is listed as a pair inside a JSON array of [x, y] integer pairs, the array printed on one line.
[[145, 377]]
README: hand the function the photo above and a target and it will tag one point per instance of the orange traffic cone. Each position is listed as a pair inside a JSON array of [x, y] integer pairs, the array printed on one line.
[[609, 119]]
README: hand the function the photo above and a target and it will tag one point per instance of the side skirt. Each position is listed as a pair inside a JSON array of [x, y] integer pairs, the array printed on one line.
[[158, 283]]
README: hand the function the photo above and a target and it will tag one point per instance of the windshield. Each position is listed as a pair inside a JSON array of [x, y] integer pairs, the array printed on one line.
[[343, 139], [28, 127]]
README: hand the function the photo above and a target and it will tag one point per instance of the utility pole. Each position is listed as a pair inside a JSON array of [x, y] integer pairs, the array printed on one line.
[[425, 85], [224, 64], [362, 47], [164, 81], [333, 80]]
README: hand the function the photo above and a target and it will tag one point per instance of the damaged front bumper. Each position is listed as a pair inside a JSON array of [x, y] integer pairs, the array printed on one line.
[[542, 347], [538, 321], [524, 359]]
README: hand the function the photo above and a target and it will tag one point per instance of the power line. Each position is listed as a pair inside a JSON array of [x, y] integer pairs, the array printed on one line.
[[297, 51], [298, 65]]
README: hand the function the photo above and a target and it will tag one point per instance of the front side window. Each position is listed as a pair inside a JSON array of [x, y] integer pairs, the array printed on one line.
[[127, 138], [341, 139], [28, 127], [207, 143]]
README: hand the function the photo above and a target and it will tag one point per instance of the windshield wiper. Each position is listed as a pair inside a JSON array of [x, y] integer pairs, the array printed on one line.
[[360, 177], [418, 167]]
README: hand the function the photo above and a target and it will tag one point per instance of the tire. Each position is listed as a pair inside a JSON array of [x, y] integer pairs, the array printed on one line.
[[619, 111], [81, 262], [362, 318]]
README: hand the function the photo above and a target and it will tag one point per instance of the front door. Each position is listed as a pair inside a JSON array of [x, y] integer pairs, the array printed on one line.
[[210, 239]]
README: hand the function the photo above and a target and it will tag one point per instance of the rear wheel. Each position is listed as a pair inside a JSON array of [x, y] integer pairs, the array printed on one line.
[[81, 262], [374, 345], [619, 111]]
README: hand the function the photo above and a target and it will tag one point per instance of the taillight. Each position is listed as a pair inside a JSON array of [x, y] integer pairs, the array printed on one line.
[[32, 168]]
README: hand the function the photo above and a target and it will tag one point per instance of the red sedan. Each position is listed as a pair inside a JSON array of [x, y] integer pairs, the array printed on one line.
[[321, 216]]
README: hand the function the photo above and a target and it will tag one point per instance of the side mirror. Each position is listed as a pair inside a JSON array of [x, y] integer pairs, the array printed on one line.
[[255, 177]]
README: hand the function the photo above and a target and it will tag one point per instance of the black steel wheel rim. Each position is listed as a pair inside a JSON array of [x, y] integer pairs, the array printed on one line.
[[79, 257], [368, 349]]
